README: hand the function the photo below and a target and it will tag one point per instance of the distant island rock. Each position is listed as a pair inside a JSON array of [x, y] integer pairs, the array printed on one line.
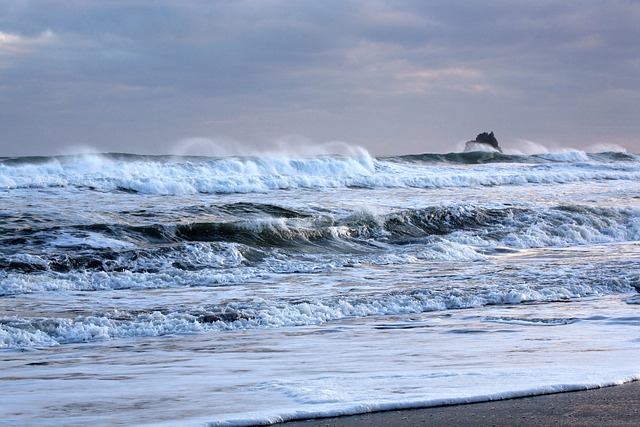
[[483, 142]]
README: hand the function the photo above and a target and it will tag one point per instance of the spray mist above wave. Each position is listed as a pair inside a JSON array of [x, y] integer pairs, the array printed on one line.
[[528, 147], [288, 146]]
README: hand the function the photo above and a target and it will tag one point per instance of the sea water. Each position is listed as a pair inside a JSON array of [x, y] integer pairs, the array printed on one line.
[[163, 290]]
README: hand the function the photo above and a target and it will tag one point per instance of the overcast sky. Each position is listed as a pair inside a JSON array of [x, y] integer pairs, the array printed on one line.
[[225, 77]]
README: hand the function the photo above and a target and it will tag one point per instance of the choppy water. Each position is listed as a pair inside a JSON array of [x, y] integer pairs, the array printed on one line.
[[190, 290]]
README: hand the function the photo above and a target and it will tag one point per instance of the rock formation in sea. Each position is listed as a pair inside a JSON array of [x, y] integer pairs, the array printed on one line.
[[483, 142]]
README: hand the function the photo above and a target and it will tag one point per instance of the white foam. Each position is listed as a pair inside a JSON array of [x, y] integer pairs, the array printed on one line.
[[353, 367], [26, 283], [89, 239], [274, 313]]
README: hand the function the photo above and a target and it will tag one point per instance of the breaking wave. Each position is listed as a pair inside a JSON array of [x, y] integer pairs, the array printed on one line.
[[190, 175]]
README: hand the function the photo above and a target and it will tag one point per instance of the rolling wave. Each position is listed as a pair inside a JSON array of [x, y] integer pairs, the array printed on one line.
[[248, 233]]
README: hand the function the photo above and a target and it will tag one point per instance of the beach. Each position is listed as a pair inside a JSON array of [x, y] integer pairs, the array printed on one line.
[[608, 406]]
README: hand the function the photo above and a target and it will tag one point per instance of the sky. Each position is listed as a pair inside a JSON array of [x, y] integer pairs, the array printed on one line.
[[393, 77]]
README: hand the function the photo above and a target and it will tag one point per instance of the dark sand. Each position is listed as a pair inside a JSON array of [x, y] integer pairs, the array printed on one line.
[[610, 406]]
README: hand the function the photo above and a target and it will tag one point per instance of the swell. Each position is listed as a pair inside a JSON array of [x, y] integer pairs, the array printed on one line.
[[482, 157]]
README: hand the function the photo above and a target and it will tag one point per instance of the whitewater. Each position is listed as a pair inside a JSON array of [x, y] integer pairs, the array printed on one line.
[[203, 291]]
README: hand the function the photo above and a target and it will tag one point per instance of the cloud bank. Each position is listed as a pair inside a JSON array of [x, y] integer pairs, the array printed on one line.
[[394, 77]]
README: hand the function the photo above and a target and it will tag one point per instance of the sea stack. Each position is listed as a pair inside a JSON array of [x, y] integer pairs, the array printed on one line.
[[483, 142]]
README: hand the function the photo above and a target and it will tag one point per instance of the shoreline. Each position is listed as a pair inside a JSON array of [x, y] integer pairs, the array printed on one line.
[[608, 406]]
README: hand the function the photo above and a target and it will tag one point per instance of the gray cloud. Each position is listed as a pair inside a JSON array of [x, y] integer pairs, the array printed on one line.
[[390, 76]]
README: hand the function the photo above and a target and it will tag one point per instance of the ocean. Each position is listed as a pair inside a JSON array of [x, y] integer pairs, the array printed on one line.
[[193, 291]]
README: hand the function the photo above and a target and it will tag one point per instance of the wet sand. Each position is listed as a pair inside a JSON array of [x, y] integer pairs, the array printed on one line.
[[610, 406]]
